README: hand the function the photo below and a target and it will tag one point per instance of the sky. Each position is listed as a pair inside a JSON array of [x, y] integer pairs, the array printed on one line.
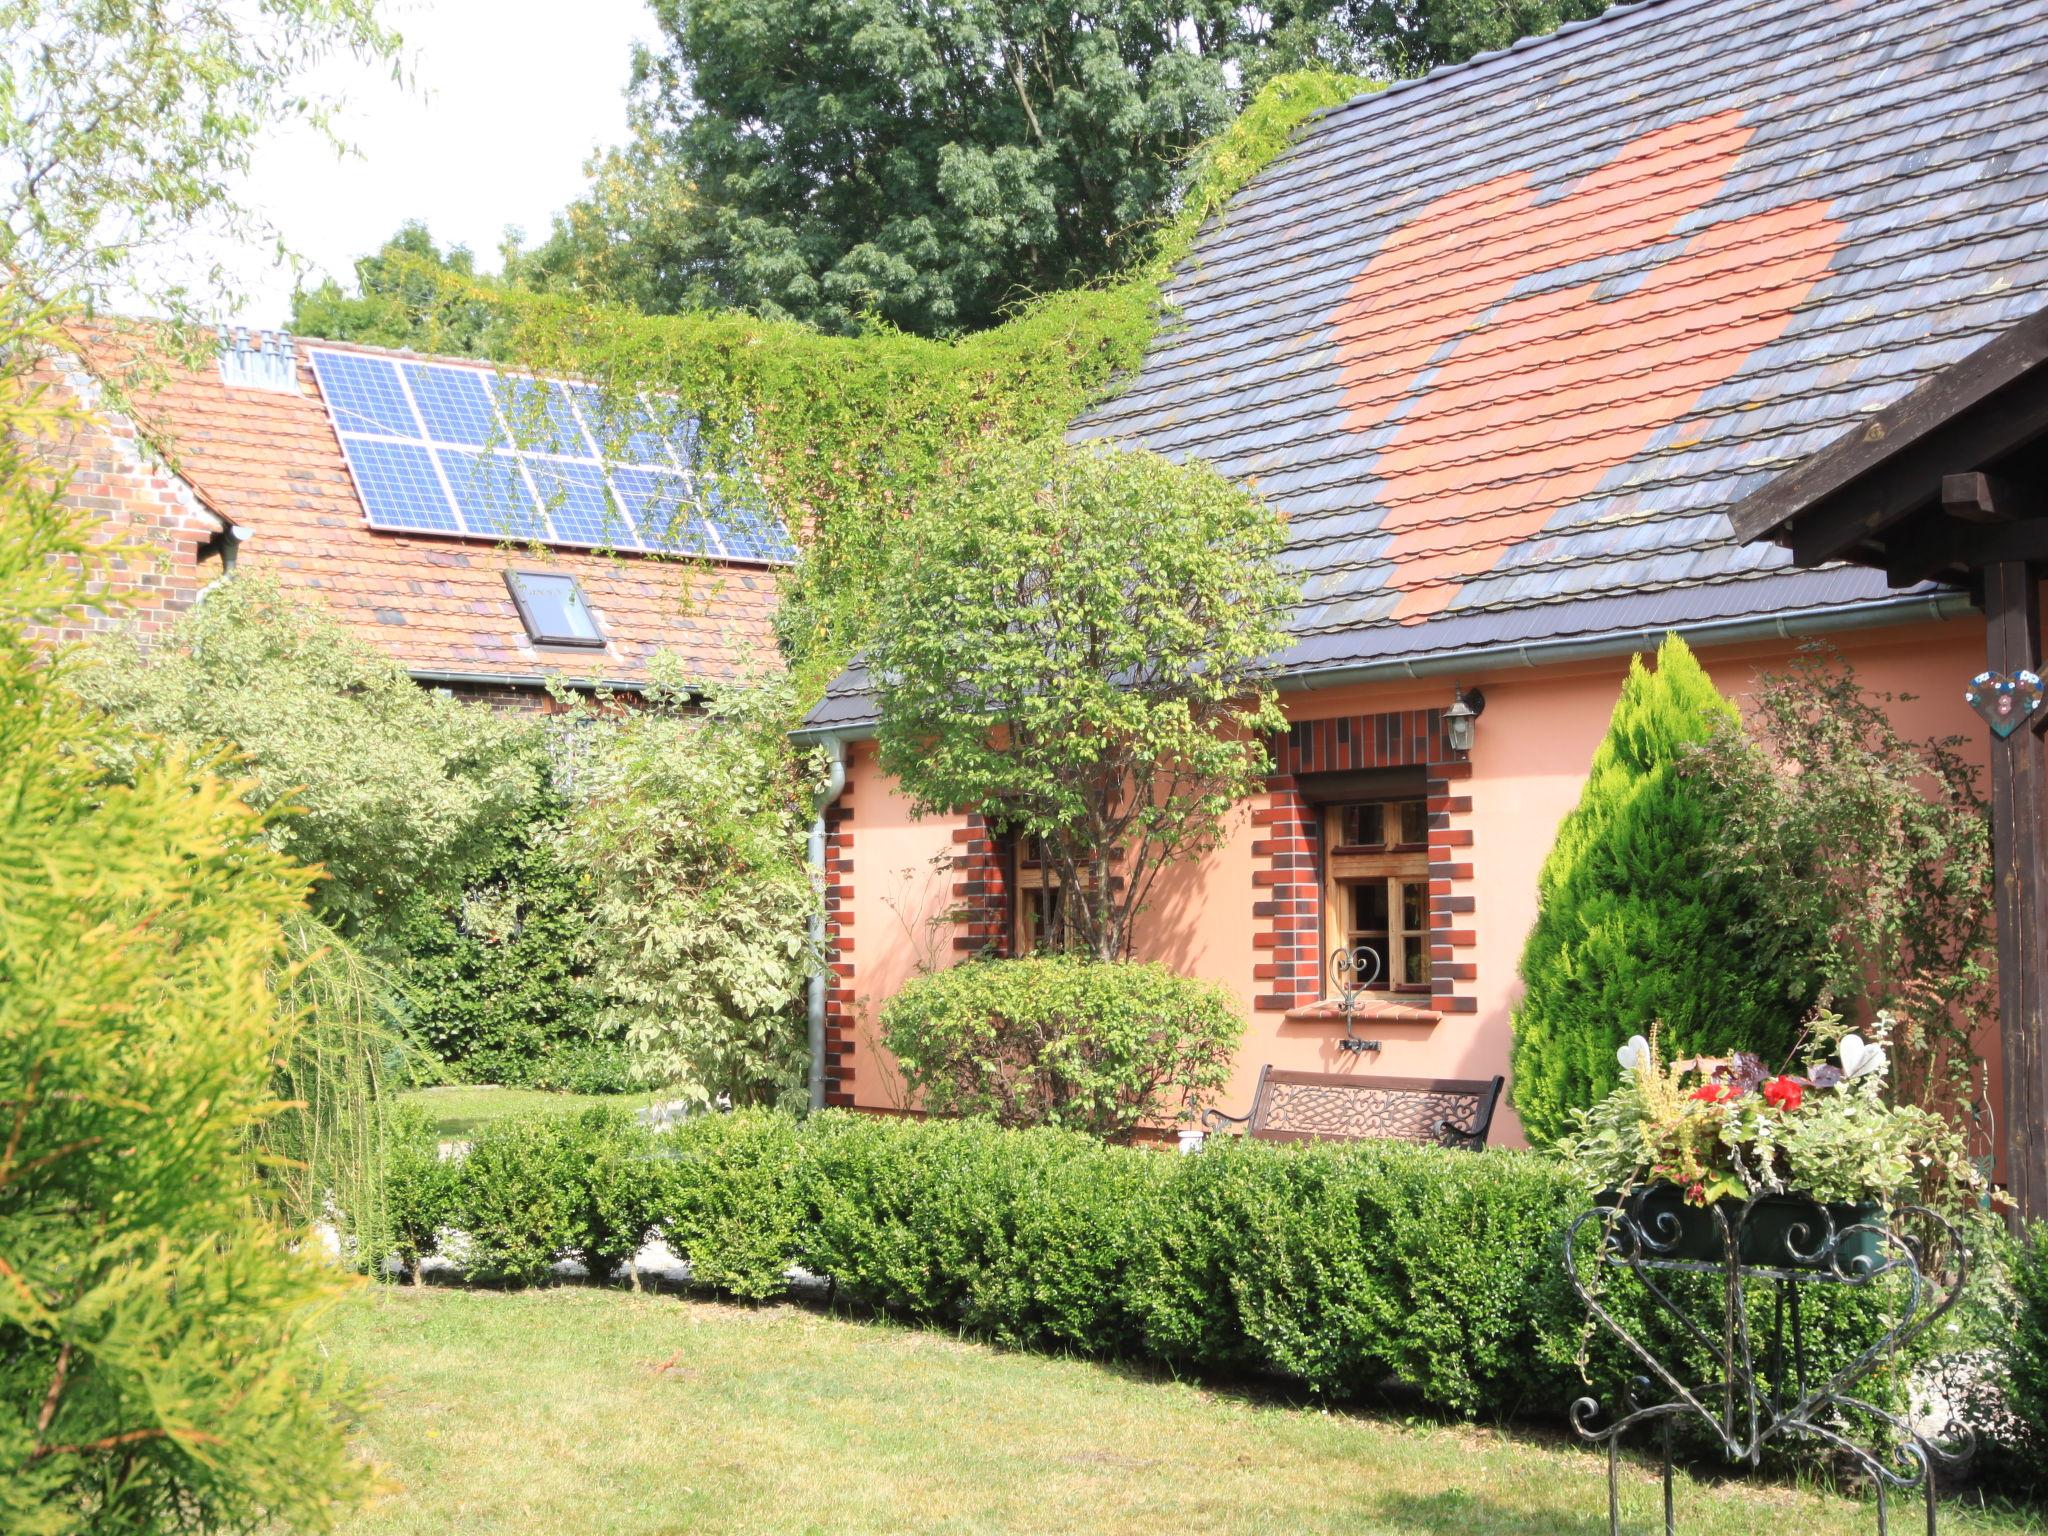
[[507, 101]]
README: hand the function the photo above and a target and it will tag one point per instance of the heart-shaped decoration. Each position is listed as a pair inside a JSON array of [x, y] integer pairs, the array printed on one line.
[[2005, 702], [1634, 1054]]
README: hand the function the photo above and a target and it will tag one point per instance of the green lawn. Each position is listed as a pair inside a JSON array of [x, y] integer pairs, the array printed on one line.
[[596, 1412], [460, 1110]]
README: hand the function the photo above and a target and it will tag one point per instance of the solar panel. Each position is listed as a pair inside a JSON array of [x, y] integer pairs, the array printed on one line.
[[445, 448]]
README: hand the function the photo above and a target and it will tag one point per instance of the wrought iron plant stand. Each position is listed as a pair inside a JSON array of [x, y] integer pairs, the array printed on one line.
[[1777, 1392]]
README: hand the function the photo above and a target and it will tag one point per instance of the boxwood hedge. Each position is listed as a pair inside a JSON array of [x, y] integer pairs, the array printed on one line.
[[1351, 1269]]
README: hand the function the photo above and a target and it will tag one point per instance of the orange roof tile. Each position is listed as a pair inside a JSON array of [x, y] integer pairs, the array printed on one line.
[[269, 462]]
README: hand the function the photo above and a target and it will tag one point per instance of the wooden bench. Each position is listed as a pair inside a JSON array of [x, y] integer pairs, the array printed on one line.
[[1326, 1106]]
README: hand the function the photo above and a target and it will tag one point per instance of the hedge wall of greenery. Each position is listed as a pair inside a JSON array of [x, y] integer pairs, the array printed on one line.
[[494, 980], [1349, 1268], [2028, 1357]]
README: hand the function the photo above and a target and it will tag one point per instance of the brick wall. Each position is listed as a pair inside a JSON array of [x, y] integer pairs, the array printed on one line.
[[840, 1008], [138, 503], [981, 889], [1287, 890]]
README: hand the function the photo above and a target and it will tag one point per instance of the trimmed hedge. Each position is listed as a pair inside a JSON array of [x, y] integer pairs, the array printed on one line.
[[2027, 1360], [1349, 1268], [1064, 1040]]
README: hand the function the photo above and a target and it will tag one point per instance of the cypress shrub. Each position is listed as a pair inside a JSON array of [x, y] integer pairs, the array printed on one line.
[[1633, 926]]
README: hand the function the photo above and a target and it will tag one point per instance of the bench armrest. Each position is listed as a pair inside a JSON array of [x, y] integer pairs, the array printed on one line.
[[1213, 1121]]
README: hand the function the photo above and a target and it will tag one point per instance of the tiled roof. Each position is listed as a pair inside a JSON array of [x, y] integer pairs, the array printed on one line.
[[268, 461], [1506, 344]]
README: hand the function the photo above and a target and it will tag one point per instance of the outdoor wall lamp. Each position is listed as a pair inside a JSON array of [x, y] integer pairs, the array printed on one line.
[[1461, 717]]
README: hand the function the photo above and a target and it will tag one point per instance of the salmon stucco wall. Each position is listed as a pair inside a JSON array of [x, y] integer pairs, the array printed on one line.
[[1533, 745]]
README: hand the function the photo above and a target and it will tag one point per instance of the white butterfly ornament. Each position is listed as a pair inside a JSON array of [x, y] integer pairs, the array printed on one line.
[[1860, 1059]]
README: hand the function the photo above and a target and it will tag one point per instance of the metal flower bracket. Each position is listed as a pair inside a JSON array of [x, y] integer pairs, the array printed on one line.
[[1353, 973], [1748, 1407]]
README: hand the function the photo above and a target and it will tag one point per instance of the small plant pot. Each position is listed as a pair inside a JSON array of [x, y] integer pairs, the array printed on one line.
[[1777, 1232]]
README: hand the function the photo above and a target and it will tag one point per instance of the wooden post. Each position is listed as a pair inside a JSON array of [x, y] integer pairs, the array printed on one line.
[[2019, 821]]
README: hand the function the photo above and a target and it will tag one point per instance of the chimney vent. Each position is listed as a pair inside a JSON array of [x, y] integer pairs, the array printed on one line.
[[259, 360]]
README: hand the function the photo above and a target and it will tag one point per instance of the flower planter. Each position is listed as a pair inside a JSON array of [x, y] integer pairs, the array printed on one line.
[[1778, 1231]]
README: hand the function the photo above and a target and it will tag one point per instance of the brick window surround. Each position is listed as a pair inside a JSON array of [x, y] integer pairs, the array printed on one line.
[[1287, 885], [840, 1008], [981, 889]]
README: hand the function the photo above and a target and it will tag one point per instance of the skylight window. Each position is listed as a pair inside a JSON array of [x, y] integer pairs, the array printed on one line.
[[553, 609]]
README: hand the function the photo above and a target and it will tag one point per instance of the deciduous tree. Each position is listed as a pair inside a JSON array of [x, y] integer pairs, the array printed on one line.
[[1074, 641]]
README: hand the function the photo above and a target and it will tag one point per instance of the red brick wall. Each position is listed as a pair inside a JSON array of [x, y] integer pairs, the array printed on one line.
[[137, 503], [981, 893], [1287, 895], [840, 1008]]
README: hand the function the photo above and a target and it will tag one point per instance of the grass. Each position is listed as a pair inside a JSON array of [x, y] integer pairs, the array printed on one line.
[[600, 1412], [460, 1110]]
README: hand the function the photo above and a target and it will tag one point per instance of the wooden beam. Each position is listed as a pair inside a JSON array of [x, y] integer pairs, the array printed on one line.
[[2019, 827], [1980, 498], [1933, 544], [1911, 479]]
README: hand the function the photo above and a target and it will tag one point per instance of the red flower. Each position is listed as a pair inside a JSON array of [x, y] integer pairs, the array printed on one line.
[[1715, 1093], [1784, 1092]]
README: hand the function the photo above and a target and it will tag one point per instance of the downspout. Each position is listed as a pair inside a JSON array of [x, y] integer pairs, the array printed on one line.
[[835, 781]]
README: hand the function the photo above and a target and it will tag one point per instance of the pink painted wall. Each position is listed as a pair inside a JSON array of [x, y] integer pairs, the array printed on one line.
[[1533, 746]]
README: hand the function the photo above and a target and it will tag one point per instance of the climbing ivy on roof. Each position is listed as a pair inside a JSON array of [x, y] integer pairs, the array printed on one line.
[[847, 434]]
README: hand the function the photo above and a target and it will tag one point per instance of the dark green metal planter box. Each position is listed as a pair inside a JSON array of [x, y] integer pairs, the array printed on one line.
[[1778, 1232]]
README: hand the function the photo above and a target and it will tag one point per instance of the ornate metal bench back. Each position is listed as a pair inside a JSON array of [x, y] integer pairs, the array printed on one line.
[[1307, 1106]]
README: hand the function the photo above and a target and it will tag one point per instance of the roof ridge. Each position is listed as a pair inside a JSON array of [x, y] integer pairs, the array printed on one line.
[[1404, 89]]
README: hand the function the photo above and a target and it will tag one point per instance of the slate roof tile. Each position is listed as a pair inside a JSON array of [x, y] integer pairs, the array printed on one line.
[[1505, 344]]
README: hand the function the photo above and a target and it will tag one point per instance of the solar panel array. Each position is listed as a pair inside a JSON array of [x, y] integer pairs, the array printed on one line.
[[440, 448]]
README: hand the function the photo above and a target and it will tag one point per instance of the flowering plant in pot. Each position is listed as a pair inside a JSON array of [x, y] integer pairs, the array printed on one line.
[[1798, 1160]]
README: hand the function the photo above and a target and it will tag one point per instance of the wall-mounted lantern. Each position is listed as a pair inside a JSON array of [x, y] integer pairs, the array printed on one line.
[[1461, 717]]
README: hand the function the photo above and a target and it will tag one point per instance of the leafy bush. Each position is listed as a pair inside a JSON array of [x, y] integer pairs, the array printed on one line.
[[2028, 1359], [1021, 1237], [688, 830], [394, 790], [158, 1370], [1635, 924], [1350, 1268], [729, 1202], [496, 977], [539, 1188], [1871, 857], [419, 1188], [1064, 1041]]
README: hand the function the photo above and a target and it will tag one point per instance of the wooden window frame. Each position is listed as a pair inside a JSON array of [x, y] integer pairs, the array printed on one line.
[[1398, 864], [1028, 878]]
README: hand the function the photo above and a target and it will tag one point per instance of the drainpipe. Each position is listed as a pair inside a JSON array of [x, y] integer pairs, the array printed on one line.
[[835, 781]]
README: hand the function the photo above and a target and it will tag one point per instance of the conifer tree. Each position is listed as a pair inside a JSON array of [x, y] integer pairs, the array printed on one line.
[[1633, 928]]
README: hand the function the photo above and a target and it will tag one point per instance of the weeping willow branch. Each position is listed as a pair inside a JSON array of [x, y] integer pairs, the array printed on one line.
[[325, 1153]]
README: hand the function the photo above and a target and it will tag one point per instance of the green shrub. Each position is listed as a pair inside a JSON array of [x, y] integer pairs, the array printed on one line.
[[419, 1187], [686, 825], [729, 1202], [2027, 1362], [394, 789], [159, 1366], [1635, 926], [495, 978], [535, 1189], [1349, 1268], [1064, 1041], [1023, 1237]]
